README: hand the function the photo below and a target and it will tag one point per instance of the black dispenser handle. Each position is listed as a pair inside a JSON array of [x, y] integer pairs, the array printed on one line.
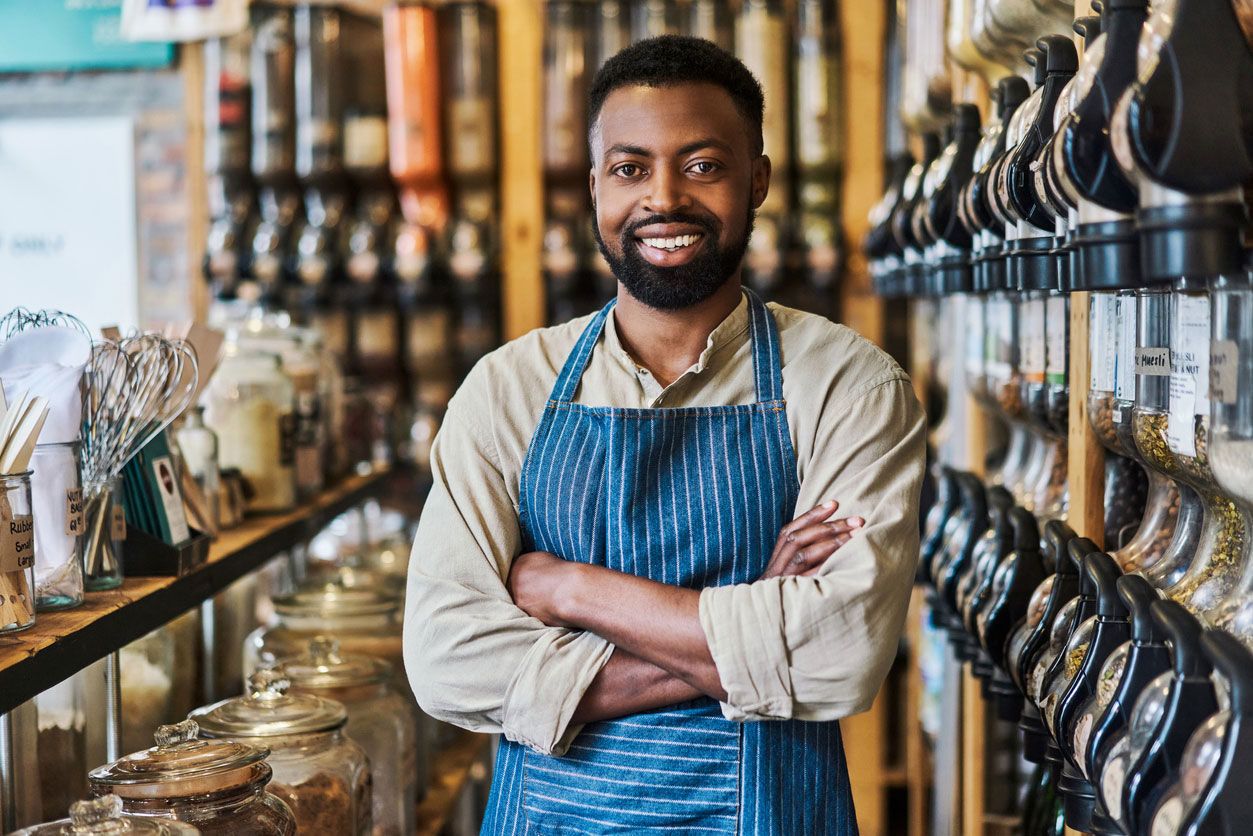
[[1183, 634], [1103, 574], [1138, 595], [1026, 530], [1233, 661], [1191, 119]]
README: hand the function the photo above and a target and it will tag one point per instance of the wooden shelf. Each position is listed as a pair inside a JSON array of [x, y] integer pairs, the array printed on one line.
[[448, 777], [61, 643]]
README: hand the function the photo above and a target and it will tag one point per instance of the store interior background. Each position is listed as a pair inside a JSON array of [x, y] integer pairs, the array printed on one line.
[[409, 182]]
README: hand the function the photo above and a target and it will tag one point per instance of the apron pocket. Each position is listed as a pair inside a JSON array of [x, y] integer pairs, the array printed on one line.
[[667, 772]]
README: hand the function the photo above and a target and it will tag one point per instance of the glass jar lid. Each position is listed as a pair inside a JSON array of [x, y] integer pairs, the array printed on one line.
[[269, 711], [324, 666], [103, 817], [331, 599], [178, 756]]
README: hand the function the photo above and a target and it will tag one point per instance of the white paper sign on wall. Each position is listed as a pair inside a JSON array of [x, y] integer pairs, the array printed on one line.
[[68, 217]]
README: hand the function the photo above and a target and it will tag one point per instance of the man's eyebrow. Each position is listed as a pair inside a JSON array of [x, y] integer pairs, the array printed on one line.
[[633, 150], [708, 142]]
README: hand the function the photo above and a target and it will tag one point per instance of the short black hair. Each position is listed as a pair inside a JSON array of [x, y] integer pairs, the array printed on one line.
[[677, 59]]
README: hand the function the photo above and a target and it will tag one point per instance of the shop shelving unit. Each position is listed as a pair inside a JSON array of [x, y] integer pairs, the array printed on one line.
[[62, 643]]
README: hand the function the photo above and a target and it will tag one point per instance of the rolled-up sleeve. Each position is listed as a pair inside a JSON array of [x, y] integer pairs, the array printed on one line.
[[472, 657], [818, 648]]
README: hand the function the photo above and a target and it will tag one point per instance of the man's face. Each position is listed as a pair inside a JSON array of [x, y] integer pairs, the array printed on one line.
[[675, 181]]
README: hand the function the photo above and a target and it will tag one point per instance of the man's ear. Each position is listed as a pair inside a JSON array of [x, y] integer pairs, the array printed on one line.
[[591, 185], [761, 180]]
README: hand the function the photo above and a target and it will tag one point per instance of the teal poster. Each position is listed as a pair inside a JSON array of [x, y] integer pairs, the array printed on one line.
[[71, 35]]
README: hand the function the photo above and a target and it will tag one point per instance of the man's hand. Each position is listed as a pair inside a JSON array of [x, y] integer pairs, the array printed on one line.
[[806, 542], [537, 582]]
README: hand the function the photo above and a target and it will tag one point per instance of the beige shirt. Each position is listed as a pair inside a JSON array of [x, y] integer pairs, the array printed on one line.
[[814, 648]]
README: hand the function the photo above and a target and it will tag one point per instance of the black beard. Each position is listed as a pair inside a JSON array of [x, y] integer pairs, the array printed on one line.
[[674, 288]]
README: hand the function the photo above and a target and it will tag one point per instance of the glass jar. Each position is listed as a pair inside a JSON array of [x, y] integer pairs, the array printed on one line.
[[105, 533], [17, 554], [301, 363], [1057, 685], [61, 747], [1200, 760], [1057, 361], [1216, 565], [322, 775], [216, 785], [1149, 422], [365, 620], [1103, 336], [199, 446], [1058, 634], [1231, 428], [146, 667], [1106, 686], [1151, 538], [379, 719], [1023, 632], [103, 817], [58, 516], [249, 404], [1033, 319], [1147, 714]]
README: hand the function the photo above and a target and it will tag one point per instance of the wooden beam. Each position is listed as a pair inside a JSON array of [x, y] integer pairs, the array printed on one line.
[[191, 71], [1086, 457], [863, 26], [522, 186], [974, 748], [863, 737]]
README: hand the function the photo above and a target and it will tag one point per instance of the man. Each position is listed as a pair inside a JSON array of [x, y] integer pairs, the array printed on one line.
[[608, 570]]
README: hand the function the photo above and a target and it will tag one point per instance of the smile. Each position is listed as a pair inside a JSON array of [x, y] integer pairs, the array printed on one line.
[[672, 244]]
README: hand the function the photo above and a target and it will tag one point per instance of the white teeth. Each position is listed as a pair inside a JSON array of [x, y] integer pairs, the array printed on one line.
[[672, 243]]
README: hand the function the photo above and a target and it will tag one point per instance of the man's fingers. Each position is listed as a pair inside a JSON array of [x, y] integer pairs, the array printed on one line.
[[815, 554], [820, 531], [813, 515]]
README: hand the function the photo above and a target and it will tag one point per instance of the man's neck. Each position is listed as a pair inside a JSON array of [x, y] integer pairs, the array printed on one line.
[[668, 343]]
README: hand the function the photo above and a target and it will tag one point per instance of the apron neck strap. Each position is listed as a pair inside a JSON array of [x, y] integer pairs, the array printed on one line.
[[763, 336]]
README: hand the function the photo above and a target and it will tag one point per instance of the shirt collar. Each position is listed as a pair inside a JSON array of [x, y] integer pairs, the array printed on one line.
[[727, 332]]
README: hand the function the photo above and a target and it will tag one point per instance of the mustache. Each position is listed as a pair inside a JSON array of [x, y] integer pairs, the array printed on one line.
[[710, 225]]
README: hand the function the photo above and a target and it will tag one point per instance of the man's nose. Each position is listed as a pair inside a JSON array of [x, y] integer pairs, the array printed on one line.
[[666, 192]]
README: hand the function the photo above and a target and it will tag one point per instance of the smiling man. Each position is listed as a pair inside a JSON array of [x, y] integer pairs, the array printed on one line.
[[629, 563]]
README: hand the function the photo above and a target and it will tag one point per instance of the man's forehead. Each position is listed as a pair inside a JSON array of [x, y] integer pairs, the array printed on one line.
[[642, 115]]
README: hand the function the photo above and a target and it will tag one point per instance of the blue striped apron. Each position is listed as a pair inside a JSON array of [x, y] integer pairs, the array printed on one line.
[[693, 497]]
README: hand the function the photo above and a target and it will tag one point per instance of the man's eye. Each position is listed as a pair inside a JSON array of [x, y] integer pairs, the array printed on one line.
[[704, 167], [627, 170]]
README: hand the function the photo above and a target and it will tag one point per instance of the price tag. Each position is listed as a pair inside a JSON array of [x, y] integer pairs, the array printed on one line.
[[1100, 339], [1033, 340], [1056, 329], [974, 338], [1153, 362], [17, 543], [1189, 371], [1124, 376], [1224, 367], [117, 525], [74, 512]]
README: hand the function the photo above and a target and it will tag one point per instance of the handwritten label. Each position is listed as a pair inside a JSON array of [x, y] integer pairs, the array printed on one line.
[[118, 522], [1153, 362], [17, 543], [1224, 367], [74, 512], [171, 499]]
